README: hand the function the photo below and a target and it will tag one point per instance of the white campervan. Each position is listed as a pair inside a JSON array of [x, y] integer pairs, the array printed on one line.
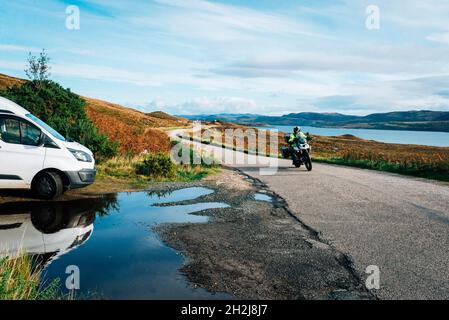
[[33, 155]]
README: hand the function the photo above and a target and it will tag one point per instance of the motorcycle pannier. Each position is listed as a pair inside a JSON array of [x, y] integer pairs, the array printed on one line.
[[285, 152]]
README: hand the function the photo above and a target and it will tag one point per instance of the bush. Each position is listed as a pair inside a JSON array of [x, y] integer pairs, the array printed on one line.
[[64, 111], [157, 165], [99, 144]]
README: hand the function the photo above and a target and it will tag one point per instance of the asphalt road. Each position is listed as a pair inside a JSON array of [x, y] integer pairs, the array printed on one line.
[[397, 223]]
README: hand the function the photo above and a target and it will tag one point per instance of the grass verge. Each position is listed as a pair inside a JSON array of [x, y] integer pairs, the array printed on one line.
[[138, 171], [430, 172], [18, 281]]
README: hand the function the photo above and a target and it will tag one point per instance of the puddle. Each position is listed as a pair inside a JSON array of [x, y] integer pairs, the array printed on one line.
[[263, 197], [178, 195], [110, 240]]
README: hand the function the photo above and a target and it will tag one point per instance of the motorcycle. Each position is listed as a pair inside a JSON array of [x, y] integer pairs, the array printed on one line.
[[299, 153]]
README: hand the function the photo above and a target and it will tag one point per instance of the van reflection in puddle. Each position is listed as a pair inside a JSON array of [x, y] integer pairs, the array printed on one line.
[[111, 240], [48, 230]]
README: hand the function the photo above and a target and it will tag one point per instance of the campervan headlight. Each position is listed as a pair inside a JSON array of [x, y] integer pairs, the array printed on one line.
[[81, 155]]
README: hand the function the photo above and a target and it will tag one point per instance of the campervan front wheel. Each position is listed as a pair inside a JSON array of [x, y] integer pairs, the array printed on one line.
[[48, 185]]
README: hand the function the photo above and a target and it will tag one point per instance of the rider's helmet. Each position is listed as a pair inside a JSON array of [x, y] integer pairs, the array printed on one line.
[[297, 129]]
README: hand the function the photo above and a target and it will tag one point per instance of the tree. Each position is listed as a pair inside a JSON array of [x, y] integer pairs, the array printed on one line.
[[38, 69]]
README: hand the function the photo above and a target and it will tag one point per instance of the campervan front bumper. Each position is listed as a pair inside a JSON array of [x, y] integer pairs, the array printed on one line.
[[81, 179]]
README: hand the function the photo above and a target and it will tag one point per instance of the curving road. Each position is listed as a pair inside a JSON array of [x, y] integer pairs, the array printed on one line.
[[397, 223]]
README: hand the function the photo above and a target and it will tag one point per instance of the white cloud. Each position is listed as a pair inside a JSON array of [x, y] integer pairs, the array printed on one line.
[[157, 104], [105, 73], [217, 22], [17, 48], [12, 65], [416, 14], [208, 105], [370, 60], [439, 37], [417, 94]]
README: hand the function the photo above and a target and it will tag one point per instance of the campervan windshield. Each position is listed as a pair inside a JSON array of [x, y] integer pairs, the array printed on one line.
[[50, 130]]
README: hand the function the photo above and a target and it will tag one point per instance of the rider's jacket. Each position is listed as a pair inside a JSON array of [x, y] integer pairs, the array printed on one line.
[[295, 137]]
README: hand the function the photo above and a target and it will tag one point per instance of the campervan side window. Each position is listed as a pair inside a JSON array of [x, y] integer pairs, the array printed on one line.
[[10, 130], [16, 131]]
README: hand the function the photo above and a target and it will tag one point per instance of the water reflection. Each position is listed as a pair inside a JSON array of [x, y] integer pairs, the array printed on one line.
[[158, 197], [47, 230], [262, 197], [110, 239]]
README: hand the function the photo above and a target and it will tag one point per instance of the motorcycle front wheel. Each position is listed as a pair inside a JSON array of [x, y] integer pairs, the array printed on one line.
[[308, 162]]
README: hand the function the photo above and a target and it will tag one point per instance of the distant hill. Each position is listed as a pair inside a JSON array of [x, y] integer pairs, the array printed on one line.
[[167, 117], [7, 81], [405, 120], [136, 131]]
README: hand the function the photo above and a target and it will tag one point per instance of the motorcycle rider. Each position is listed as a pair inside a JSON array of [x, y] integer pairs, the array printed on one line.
[[296, 136]]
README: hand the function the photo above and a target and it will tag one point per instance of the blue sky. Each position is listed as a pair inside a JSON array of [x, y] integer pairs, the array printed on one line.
[[253, 56]]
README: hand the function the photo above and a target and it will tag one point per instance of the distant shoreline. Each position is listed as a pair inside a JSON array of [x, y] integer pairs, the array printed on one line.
[[405, 137], [422, 120], [340, 127]]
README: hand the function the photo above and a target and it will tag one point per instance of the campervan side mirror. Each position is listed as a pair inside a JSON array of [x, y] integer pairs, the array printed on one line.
[[46, 142], [42, 139]]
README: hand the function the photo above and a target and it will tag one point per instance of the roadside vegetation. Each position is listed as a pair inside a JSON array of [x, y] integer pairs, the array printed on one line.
[[141, 169], [18, 281], [420, 161]]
